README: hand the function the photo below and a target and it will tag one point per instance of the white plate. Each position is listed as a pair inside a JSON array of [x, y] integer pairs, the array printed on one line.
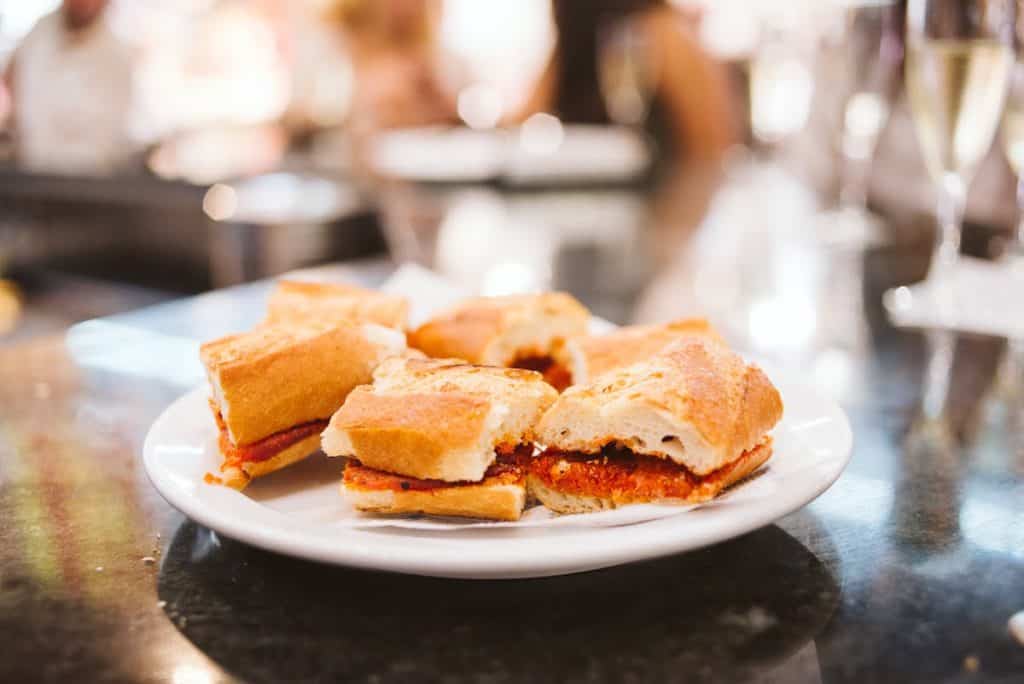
[[299, 512]]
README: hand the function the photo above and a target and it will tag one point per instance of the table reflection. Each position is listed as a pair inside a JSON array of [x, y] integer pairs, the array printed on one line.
[[647, 620]]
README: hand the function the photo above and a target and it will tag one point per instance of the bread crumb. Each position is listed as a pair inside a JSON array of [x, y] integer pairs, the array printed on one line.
[[971, 663], [210, 478]]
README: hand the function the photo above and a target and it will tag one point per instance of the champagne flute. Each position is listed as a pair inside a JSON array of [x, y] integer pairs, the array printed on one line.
[[1010, 376], [959, 57], [780, 85], [871, 54], [867, 57], [1013, 146]]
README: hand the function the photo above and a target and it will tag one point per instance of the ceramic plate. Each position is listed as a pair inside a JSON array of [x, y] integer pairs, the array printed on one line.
[[299, 511]]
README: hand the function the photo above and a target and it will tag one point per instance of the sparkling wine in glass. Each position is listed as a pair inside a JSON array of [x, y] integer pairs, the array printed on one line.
[[959, 57]]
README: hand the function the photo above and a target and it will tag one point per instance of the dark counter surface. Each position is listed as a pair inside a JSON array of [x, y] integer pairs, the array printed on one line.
[[908, 569]]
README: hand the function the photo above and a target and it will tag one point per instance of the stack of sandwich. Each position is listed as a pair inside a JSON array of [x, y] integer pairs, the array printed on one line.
[[497, 403]]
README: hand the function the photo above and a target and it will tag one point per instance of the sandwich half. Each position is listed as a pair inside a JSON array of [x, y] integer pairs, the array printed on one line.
[[516, 331], [677, 428], [590, 356], [274, 388], [294, 300], [439, 436]]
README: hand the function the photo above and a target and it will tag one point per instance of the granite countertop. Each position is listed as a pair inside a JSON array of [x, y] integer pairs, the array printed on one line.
[[908, 569]]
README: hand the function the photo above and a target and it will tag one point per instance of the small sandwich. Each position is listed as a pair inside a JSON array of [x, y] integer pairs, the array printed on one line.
[[591, 356], [275, 388], [294, 300], [516, 331], [677, 428], [440, 437]]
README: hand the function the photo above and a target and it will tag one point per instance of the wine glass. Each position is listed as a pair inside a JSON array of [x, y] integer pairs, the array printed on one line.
[[873, 52], [780, 82], [1010, 384], [1013, 147], [867, 56], [959, 57]]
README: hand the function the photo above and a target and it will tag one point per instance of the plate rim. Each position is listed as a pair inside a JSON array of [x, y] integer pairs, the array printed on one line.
[[522, 554]]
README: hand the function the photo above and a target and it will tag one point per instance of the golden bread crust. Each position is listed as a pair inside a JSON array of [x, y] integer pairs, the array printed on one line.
[[497, 330], [409, 372], [697, 403], [486, 500], [411, 434], [437, 418], [730, 402], [238, 475], [628, 345], [294, 300], [461, 334], [274, 377]]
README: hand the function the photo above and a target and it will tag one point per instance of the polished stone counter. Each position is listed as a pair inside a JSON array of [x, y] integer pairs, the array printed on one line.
[[908, 569]]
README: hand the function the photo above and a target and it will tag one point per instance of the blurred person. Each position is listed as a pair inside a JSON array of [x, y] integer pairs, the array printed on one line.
[[690, 115], [71, 86], [320, 72], [398, 65]]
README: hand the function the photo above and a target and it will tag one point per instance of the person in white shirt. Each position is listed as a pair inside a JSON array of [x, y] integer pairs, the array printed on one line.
[[71, 81]]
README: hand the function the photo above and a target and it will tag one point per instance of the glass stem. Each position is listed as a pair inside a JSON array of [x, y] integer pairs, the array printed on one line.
[[950, 214], [1016, 247], [941, 345], [852, 184]]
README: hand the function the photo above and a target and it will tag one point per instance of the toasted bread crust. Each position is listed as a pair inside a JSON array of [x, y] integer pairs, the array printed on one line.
[[274, 377], [495, 498], [437, 419], [414, 435], [238, 475], [497, 330], [294, 300], [461, 334], [590, 357], [697, 403], [409, 372], [588, 493]]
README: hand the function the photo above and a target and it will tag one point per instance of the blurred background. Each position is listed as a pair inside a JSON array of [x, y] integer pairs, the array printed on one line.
[[833, 183], [732, 158]]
